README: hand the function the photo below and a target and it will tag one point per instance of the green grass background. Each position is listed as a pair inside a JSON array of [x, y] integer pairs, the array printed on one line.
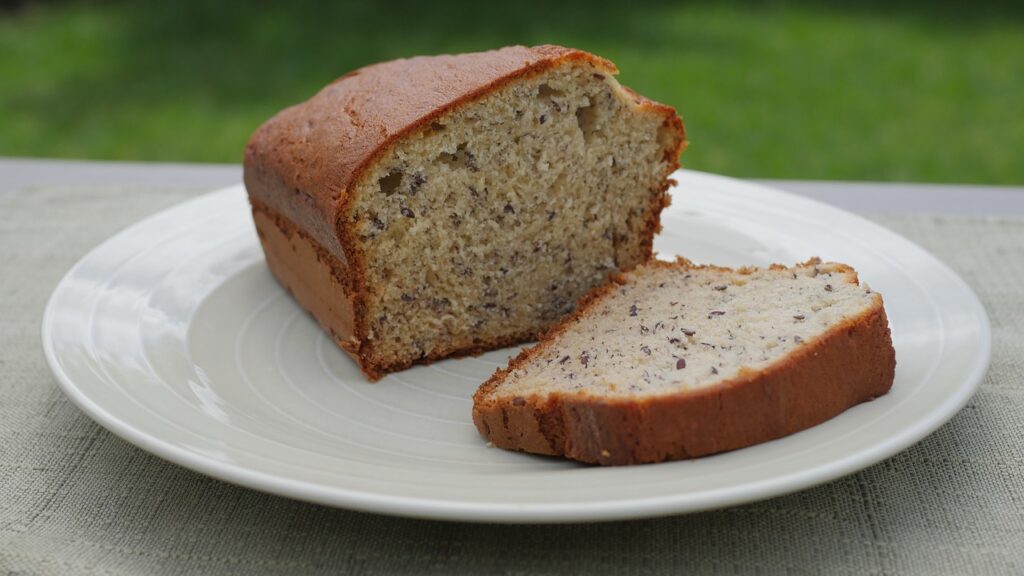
[[914, 91]]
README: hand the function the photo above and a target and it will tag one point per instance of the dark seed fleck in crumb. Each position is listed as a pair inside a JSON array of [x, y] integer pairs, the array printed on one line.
[[407, 212], [632, 310], [828, 287], [407, 297], [644, 329], [721, 287], [563, 360], [519, 114], [503, 271], [714, 313], [674, 340], [509, 209], [585, 359], [661, 285], [551, 215], [418, 180], [799, 317], [543, 118], [489, 305], [714, 370], [797, 339], [688, 332], [673, 303], [471, 161], [518, 401], [473, 192], [680, 363], [646, 349]]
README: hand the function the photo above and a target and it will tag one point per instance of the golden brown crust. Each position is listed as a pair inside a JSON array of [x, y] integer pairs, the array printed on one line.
[[314, 278], [855, 358], [303, 163]]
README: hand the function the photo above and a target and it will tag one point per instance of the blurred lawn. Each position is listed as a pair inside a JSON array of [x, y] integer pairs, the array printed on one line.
[[910, 91]]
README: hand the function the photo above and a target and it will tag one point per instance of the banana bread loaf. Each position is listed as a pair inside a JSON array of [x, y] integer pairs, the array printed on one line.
[[446, 205]]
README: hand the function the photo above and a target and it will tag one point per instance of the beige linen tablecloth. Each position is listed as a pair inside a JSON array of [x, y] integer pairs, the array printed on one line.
[[76, 499]]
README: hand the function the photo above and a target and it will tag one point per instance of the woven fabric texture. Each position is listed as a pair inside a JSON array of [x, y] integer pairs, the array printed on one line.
[[75, 499]]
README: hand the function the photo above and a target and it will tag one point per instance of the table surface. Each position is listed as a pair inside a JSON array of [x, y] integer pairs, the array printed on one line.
[[862, 197], [77, 499]]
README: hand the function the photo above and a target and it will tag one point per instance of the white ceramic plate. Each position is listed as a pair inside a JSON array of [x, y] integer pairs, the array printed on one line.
[[174, 335]]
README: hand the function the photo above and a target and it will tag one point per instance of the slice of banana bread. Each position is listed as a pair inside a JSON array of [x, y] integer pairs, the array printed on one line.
[[446, 205], [675, 361]]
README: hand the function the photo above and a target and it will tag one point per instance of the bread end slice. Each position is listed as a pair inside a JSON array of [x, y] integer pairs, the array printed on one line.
[[676, 361]]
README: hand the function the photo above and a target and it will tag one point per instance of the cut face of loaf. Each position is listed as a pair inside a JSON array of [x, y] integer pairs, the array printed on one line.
[[676, 361], [519, 180]]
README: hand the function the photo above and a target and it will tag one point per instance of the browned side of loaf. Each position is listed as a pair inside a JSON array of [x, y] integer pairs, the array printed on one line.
[[851, 363], [301, 165], [314, 277]]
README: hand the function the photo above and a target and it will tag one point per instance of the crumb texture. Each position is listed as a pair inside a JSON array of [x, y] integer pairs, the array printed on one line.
[[674, 329], [489, 224]]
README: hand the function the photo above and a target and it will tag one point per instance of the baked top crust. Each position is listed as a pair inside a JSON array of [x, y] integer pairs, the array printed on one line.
[[304, 161]]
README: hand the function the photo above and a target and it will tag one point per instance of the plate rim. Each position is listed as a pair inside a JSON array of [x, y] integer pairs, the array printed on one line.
[[547, 512]]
